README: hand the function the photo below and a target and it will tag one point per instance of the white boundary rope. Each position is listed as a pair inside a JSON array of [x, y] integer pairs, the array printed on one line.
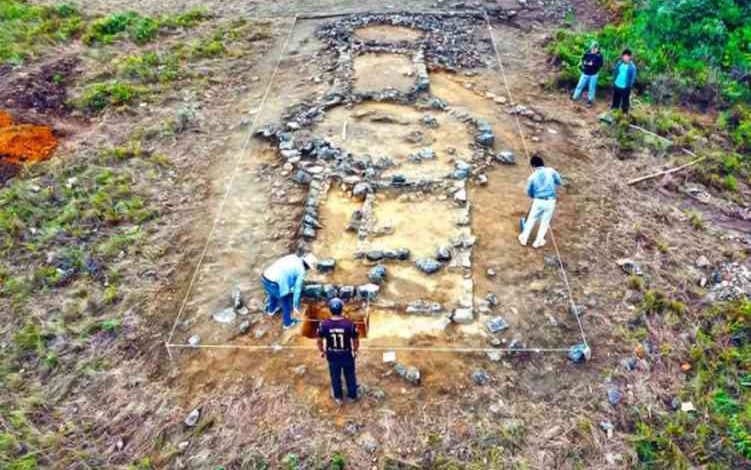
[[231, 182], [278, 347], [574, 309]]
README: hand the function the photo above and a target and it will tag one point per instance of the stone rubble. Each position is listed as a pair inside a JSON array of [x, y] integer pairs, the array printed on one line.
[[409, 373]]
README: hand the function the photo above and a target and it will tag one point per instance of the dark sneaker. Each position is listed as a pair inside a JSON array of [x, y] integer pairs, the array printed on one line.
[[590, 104]]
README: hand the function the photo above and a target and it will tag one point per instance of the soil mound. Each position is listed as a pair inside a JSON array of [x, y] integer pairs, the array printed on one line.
[[42, 90]]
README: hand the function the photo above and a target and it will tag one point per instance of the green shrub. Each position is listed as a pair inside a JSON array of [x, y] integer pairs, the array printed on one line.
[[98, 96], [25, 28], [730, 183], [138, 28], [150, 67], [111, 295], [696, 220], [693, 48], [717, 434], [28, 339], [188, 19]]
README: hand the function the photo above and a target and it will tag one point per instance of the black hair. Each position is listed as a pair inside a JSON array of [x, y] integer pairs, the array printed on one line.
[[626, 52], [536, 161]]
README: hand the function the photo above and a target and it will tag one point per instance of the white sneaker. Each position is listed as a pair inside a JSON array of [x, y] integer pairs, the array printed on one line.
[[271, 314], [292, 324], [522, 240], [538, 244]]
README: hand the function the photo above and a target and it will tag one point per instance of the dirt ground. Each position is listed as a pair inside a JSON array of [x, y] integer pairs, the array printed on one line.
[[265, 408]]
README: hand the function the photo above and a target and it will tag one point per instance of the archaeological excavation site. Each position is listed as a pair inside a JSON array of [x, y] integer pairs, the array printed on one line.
[[174, 173], [397, 161]]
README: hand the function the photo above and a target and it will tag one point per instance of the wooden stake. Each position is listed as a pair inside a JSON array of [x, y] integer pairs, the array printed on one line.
[[667, 172], [639, 128]]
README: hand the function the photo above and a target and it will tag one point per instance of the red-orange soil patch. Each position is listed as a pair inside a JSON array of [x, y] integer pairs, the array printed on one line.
[[24, 143]]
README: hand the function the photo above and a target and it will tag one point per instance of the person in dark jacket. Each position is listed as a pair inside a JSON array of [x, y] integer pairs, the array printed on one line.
[[624, 76], [338, 343], [591, 64]]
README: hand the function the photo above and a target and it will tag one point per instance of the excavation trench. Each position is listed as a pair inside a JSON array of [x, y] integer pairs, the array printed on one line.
[[455, 207]]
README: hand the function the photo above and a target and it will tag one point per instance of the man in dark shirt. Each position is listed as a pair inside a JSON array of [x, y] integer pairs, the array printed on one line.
[[591, 64], [338, 342]]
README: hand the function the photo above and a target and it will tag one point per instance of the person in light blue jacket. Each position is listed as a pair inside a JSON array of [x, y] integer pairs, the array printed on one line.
[[283, 283], [624, 77], [542, 187]]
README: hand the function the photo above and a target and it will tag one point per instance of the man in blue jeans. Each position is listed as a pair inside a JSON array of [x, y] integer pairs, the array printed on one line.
[[624, 76], [542, 187], [283, 282], [338, 343], [591, 64]]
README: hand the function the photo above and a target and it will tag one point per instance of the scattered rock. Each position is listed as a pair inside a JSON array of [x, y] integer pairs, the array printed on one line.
[[423, 154], [368, 443], [614, 396], [579, 353], [375, 255], [424, 307], [300, 370], [480, 377], [430, 121], [608, 427], [237, 298], [192, 418], [463, 315], [496, 325], [702, 262], [460, 196], [494, 355], [326, 265], [428, 265], [486, 139], [368, 291], [443, 254], [225, 316], [630, 267], [194, 341], [505, 157], [409, 373], [361, 190], [244, 327], [377, 274]]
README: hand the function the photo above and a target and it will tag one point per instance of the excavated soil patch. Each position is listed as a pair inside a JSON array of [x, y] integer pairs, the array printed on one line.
[[386, 34], [375, 72], [21, 144], [315, 313], [422, 225], [398, 132], [334, 241]]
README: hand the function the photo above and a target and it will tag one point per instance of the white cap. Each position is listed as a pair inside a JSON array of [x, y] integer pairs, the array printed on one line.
[[311, 260]]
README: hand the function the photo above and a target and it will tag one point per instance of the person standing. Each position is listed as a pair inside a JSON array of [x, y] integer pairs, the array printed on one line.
[[542, 187], [338, 343], [624, 76], [591, 64], [283, 282]]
